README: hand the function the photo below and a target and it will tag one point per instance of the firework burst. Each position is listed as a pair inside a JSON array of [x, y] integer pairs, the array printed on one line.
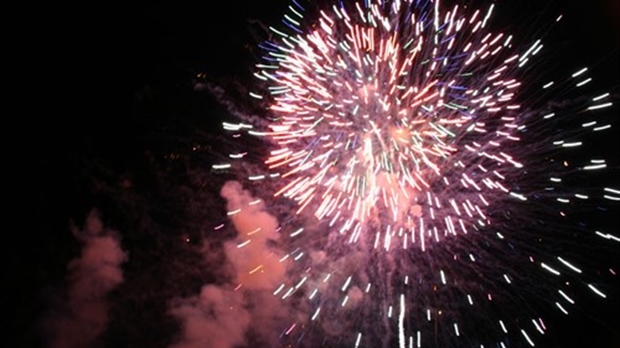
[[398, 126]]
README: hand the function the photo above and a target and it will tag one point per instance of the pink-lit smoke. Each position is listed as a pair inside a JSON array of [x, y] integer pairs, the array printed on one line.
[[241, 309], [82, 315]]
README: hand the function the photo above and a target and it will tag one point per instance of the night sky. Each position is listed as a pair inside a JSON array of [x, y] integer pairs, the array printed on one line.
[[100, 110]]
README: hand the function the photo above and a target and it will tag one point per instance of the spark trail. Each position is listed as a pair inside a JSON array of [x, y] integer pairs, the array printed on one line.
[[398, 126]]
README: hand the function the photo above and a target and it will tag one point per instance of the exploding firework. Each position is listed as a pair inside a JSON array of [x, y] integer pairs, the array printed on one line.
[[426, 203]]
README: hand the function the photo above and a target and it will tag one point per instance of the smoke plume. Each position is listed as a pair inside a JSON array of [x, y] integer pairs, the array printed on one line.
[[243, 309], [81, 317]]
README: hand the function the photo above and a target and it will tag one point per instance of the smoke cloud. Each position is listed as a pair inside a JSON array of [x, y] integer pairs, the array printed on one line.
[[81, 317], [252, 253], [243, 309], [216, 318]]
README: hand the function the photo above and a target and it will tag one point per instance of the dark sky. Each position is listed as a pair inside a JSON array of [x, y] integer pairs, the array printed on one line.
[[75, 77], [87, 59]]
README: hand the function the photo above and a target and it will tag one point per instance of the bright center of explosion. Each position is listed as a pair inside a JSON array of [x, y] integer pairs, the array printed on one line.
[[393, 126]]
